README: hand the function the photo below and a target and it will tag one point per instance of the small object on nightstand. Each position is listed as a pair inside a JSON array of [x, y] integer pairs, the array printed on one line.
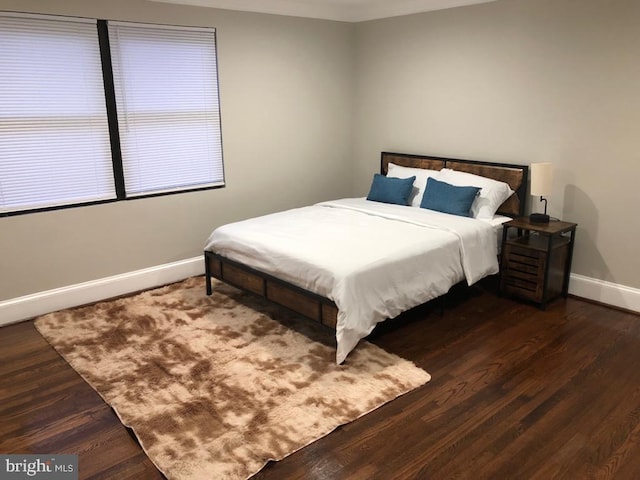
[[540, 217], [536, 262]]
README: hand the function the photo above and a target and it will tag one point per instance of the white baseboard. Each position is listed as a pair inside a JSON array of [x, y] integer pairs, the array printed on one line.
[[609, 293], [29, 306]]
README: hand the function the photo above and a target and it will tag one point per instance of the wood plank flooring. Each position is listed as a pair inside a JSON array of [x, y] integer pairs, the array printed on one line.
[[516, 393]]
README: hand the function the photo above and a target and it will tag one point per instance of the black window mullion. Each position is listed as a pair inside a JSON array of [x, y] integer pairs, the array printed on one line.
[[112, 113]]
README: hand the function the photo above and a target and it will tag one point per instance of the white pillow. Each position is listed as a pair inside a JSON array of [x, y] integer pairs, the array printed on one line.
[[492, 194], [419, 184]]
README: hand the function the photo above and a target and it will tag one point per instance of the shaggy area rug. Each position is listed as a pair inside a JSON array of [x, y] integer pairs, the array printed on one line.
[[215, 387]]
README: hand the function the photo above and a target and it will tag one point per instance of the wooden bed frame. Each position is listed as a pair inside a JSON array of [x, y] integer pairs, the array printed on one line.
[[323, 310]]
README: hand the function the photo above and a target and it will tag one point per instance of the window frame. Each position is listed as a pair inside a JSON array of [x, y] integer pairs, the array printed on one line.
[[102, 32]]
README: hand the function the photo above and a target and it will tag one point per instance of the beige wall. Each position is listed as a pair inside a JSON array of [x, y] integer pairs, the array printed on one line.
[[307, 106], [286, 91], [518, 81]]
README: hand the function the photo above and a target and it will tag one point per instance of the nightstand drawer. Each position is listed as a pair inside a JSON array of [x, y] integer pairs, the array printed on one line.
[[523, 255], [522, 261], [519, 273], [523, 272], [528, 290]]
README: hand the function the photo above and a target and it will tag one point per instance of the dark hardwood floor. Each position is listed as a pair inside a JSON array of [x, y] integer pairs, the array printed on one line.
[[516, 393]]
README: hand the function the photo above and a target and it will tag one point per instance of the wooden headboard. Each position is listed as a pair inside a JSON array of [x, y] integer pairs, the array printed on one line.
[[515, 176]]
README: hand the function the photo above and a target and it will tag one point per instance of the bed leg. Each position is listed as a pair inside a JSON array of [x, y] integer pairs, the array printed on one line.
[[442, 300], [207, 275]]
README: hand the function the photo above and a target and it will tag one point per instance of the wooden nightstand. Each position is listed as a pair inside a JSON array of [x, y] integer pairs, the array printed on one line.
[[536, 262]]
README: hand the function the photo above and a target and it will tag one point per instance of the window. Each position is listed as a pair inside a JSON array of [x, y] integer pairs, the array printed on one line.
[[54, 136], [167, 103], [60, 145]]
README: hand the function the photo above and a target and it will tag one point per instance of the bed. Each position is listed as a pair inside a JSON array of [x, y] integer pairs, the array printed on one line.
[[351, 263]]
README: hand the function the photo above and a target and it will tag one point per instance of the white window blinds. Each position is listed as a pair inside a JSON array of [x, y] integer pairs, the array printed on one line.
[[54, 137], [166, 90]]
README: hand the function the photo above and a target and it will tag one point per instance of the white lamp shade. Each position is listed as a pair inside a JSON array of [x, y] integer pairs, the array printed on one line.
[[541, 177]]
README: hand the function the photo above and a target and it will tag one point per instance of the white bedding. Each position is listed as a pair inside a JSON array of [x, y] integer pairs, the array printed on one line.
[[374, 260], [497, 223]]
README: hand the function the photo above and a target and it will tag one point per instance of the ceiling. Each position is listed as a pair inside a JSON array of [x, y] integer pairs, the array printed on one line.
[[342, 10]]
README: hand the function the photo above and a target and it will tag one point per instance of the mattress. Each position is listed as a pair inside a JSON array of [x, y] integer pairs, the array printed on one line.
[[374, 260]]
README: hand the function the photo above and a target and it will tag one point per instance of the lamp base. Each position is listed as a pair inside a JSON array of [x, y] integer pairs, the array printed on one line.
[[539, 218]]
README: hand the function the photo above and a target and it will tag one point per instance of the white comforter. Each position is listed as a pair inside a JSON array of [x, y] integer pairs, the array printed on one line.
[[374, 260]]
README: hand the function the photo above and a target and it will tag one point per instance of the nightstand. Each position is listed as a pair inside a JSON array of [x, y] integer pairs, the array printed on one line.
[[536, 262]]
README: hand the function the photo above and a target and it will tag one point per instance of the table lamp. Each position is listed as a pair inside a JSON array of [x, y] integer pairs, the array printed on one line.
[[541, 176]]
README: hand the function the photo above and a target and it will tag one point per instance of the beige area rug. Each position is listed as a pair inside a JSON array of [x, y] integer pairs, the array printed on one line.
[[214, 387]]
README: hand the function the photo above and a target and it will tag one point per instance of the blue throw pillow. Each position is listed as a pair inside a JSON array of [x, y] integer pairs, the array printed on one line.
[[447, 198], [390, 189]]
